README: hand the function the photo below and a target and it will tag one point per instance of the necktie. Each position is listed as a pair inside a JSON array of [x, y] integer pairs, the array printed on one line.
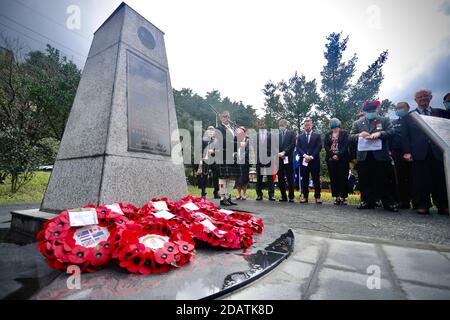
[[307, 137]]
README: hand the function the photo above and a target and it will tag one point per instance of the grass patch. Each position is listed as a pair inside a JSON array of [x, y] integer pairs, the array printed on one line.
[[33, 191], [251, 194]]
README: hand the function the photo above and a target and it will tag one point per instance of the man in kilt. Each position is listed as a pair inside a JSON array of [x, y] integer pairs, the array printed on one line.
[[227, 165]]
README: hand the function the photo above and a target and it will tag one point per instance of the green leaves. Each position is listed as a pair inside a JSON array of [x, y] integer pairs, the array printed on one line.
[[36, 95]]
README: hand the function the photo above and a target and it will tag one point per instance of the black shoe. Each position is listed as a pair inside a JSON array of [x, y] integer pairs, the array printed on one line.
[[443, 212], [365, 206], [259, 198], [391, 208], [338, 202], [231, 202], [225, 203], [271, 198], [291, 200], [283, 200]]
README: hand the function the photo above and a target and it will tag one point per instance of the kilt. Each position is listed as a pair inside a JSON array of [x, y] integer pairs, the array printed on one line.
[[229, 170]]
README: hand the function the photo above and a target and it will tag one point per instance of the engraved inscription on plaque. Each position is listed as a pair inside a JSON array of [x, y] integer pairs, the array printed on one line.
[[148, 109]]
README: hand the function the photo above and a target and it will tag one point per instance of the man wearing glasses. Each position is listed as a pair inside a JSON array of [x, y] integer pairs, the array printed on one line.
[[426, 157]]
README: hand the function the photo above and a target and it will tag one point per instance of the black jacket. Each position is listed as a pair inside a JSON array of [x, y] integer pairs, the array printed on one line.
[[268, 152], [380, 124], [415, 141], [312, 148], [227, 139], [288, 145], [343, 153]]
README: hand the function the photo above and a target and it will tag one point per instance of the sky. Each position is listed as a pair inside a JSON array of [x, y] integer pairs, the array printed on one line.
[[236, 46]]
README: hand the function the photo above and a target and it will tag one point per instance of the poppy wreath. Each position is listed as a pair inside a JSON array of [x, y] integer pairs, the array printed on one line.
[[148, 211], [155, 248], [218, 233], [224, 235], [238, 219], [57, 241]]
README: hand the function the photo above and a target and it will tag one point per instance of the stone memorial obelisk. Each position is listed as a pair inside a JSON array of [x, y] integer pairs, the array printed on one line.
[[121, 133]]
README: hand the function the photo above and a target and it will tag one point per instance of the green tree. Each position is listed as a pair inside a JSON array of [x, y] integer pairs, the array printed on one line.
[[54, 85], [294, 99], [36, 94], [342, 98]]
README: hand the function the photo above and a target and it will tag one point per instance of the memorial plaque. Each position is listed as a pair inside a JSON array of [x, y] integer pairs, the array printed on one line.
[[148, 109]]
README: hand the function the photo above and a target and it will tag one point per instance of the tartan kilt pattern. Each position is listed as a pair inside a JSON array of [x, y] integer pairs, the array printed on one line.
[[229, 170]]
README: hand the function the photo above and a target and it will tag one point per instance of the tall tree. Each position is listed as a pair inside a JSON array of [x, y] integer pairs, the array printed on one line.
[[294, 99], [55, 82], [342, 98]]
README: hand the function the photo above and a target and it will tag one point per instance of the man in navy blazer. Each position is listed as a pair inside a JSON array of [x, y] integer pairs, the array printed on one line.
[[309, 146], [426, 157], [286, 161]]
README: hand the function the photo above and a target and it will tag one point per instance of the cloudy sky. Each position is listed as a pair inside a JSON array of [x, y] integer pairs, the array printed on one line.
[[236, 46]]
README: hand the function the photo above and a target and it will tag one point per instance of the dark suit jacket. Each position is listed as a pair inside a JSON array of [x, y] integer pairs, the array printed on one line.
[[226, 136], [268, 151], [288, 146], [380, 124], [343, 153], [312, 148], [415, 141]]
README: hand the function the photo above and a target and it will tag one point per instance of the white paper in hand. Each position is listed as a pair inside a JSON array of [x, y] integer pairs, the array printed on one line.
[[164, 214], [82, 217], [369, 145], [191, 206], [160, 206], [304, 163], [286, 160]]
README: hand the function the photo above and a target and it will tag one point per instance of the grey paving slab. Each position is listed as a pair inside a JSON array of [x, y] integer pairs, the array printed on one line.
[[423, 266], [285, 283], [416, 292], [344, 285], [307, 248], [352, 255]]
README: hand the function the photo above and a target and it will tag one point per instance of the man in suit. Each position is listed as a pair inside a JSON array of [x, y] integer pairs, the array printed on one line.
[[286, 161], [374, 165], [309, 146], [402, 167], [263, 168], [426, 157]]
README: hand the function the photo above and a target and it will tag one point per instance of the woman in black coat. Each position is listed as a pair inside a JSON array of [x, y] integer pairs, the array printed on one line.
[[337, 158]]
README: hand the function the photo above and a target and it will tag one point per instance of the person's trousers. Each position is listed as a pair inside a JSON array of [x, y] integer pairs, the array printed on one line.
[[429, 177], [259, 183], [286, 172], [374, 181], [403, 178], [313, 169], [215, 178], [338, 171]]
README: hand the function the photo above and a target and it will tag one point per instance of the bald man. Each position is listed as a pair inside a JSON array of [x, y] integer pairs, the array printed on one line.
[[427, 159]]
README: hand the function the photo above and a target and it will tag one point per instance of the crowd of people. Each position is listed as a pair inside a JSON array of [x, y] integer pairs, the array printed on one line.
[[398, 166]]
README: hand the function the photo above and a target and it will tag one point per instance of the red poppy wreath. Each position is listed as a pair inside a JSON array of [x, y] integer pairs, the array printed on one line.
[[86, 246], [154, 247]]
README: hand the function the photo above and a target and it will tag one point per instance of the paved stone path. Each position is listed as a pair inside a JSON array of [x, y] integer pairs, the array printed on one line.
[[340, 253]]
